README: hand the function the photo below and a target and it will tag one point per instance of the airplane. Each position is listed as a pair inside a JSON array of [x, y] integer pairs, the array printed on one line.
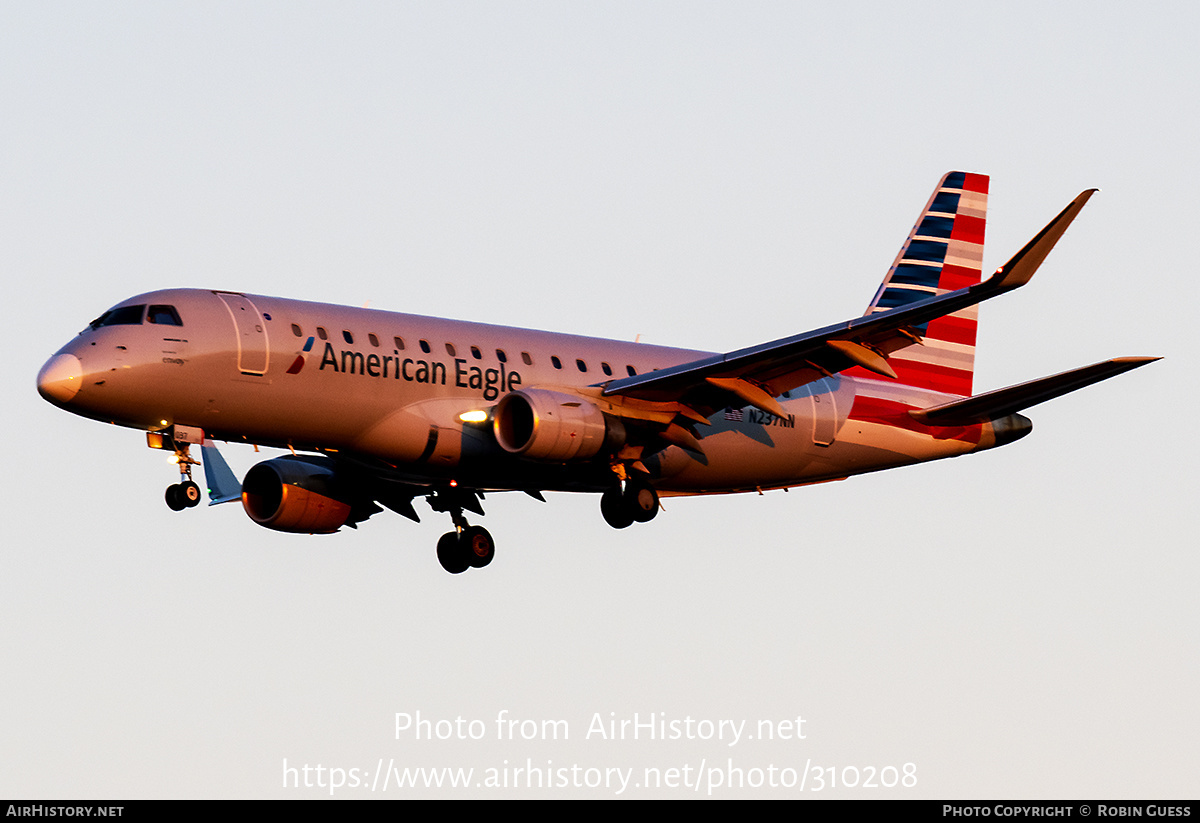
[[379, 408]]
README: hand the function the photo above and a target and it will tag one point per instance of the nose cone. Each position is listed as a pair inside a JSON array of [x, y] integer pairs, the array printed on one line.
[[60, 378]]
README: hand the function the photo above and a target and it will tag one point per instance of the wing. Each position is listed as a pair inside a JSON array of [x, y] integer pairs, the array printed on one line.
[[758, 374]]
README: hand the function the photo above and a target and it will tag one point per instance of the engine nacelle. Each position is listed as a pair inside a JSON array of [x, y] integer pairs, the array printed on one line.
[[554, 426], [295, 494]]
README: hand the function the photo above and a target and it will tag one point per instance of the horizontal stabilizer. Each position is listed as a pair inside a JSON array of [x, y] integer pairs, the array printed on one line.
[[1002, 402], [223, 485]]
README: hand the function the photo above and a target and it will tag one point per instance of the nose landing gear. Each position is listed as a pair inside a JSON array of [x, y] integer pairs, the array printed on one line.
[[184, 494]]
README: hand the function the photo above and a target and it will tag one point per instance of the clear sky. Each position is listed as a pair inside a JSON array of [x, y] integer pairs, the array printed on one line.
[[1020, 623]]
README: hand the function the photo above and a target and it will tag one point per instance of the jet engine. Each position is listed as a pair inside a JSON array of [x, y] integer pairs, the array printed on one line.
[[554, 426], [296, 494]]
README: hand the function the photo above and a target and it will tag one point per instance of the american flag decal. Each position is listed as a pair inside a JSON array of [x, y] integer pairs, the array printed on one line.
[[943, 252]]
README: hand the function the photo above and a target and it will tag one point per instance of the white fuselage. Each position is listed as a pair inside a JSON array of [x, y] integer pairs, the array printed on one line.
[[387, 387]]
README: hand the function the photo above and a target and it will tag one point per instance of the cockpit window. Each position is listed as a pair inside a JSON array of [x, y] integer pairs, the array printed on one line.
[[163, 316], [120, 316]]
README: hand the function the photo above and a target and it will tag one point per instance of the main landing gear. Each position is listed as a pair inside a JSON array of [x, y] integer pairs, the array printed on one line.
[[636, 503], [467, 547], [472, 547], [184, 494]]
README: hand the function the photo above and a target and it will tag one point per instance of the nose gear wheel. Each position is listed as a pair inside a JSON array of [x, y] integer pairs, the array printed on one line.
[[185, 494]]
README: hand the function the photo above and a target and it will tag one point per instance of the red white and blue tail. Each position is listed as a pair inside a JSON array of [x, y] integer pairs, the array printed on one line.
[[944, 252]]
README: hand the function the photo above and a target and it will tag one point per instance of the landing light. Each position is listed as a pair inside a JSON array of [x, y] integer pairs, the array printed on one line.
[[475, 416]]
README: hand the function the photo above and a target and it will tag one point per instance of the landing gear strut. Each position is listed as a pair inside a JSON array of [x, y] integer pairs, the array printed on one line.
[[636, 503], [184, 494], [467, 546]]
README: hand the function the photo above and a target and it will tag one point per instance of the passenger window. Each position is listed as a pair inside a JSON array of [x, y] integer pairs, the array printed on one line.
[[606, 368], [526, 359], [450, 350], [321, 333], [501, 356], [631, 371], [555, 361], [399, 341], [296, 330], [163, 316], [373, 338], [425, 346], [476, 353], [581, 365], [348, 337]]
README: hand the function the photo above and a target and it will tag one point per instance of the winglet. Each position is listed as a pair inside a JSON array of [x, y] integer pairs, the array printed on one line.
[[1018, 271]]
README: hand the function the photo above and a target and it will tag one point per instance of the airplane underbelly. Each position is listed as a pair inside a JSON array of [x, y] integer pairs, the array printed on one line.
[[734, 461], [747, 448]]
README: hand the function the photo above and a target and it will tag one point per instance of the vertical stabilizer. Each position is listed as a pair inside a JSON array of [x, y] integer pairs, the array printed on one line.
[[943, 252]]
